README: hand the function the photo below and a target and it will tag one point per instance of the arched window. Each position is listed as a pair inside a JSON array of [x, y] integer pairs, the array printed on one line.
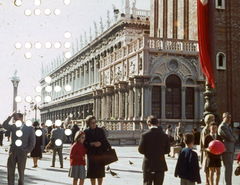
[[220, 4], [173, 97], [221, 61]]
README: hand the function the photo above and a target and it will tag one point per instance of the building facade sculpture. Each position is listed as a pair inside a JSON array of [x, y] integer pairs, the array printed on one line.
[[137, 68]]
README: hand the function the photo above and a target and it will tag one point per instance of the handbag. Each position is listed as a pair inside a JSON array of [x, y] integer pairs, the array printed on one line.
[[237, 171], [109, 156]]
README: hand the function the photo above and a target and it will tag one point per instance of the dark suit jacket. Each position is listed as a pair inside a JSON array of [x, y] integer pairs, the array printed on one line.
[[98, 136], [154, 144], [58, 133], [28, 137]]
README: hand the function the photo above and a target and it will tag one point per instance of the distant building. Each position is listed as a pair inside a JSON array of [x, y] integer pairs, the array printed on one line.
[[143, 64]]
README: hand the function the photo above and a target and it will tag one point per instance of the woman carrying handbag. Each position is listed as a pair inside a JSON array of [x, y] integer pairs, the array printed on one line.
[[97, 145]]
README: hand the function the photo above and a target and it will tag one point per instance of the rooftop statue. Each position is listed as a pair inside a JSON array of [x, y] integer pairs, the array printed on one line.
[[85, 37], [95, 27], [101, 24]]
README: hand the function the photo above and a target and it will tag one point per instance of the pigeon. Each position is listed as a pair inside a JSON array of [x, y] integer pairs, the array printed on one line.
[[108, 168], [6, 150], [65, 158], [130, 162], [113, 173]]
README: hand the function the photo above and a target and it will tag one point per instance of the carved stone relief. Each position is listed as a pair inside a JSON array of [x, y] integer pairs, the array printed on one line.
[[161, 69], [118, 73], [132, 67], [106, 78], [184, 70]]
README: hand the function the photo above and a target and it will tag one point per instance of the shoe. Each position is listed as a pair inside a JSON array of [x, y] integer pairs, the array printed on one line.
[[169, 155], [52, 166], [35, 166], [61, 166]]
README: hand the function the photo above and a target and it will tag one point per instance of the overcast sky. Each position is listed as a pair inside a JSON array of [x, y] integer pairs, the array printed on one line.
[[15, 27]]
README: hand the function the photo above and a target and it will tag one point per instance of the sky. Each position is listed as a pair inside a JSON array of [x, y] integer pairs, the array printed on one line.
[[16, 26]]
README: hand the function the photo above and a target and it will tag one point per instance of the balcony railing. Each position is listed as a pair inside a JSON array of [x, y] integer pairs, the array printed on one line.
[[154, 43]]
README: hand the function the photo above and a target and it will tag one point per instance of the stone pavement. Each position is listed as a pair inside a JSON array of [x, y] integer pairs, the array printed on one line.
[[127, 174]]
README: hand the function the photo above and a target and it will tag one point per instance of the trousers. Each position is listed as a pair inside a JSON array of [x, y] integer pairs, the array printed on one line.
[[16, 157], [228, 164], [153, 177], [59, 151], [187, 182]]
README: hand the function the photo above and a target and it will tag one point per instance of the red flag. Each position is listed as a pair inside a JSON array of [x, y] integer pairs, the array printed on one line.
[[203, 40]]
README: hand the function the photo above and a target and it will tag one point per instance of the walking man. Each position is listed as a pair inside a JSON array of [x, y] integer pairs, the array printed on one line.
[[179, 129], [154, 144], [25, 137], [58, 137], [225, 131]]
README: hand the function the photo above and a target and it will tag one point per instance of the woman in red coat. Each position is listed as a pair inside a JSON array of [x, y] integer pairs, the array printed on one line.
[[77, 159]]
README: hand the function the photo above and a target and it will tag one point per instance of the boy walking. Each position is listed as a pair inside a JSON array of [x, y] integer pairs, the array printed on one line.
[[187, 167], [213, 161]]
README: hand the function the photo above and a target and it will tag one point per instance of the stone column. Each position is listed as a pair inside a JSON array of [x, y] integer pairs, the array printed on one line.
[[97, 107], [121, 103], [136, 99], [15, 80], [126, 105], [90, 73], [201, 100], [108, 96], [84, 75], [80, 78], [145, 101], [163, 100], [116, 104], [73, 83], [76, 79], [183, 102], [113, 105], [150, 100], [130, 117], [196, 103]]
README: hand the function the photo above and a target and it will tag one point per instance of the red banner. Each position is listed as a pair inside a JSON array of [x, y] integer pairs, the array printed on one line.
[[203, 40]]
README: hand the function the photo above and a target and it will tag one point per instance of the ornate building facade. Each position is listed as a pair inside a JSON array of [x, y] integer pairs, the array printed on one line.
[[146, 63]]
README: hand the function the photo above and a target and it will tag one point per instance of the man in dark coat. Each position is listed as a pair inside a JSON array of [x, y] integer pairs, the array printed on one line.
[[154, 144]]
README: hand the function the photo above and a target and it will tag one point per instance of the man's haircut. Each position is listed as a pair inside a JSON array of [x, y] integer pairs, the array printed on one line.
[[42, 124], [169, 126], [194, 129], [89, 119], [225, 114], [212, 124], [152, 120], [20, 115], [208, 118], [35, 123], [188, 139]]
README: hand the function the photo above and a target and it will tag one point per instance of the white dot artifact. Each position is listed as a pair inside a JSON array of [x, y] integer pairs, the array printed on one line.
[[58, 142], [68, 132], [38, 133], [18, 142], [48, 123], [29, 123]]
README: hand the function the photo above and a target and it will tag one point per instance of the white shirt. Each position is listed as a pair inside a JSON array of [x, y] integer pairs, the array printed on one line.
[[214, 136]]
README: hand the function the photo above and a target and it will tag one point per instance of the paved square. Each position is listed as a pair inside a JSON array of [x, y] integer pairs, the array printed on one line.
[[127, 174]]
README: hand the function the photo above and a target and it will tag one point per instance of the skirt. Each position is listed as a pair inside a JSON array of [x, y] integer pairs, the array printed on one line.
[[77, 172]]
